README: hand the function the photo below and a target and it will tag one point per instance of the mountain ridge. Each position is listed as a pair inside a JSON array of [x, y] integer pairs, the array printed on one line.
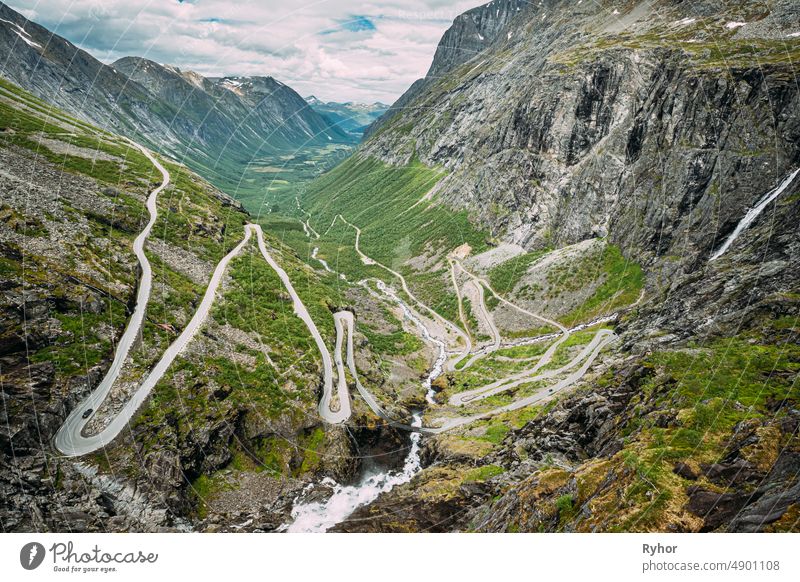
[[178, 113]]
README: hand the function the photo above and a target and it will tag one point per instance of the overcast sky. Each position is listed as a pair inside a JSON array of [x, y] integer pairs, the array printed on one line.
[[341, 50]]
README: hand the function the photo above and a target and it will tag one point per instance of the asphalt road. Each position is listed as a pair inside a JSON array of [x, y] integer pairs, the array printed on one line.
[[65, 439], [329, 413], [71, 441]]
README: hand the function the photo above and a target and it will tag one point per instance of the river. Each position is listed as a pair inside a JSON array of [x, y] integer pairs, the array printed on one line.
[[320, 516]]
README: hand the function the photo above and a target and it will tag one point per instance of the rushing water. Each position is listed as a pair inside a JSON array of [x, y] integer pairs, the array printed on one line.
[[325, 264], [754, 212], [321, 261], [320, 516], [438, 365]]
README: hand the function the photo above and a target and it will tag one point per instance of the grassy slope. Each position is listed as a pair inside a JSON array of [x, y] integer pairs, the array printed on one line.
[[712, 388], [617, 281], [197, 390], [376, 197], [83, 344]]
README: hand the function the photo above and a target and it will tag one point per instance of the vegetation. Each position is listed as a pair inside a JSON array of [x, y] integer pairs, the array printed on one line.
[[378, 198], [505, 276], [614, 281], [621, 286], [747, 382], [706, 44], [398, 343], [495, 433], [81, 345], [483, 473]]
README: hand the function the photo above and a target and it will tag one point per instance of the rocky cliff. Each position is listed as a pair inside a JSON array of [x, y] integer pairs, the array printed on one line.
[[565, 125]]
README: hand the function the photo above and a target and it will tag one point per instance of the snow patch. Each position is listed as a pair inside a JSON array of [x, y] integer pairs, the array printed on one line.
[[793, 34], [732, 25], [22, 33], [685, 21], [28, 40]]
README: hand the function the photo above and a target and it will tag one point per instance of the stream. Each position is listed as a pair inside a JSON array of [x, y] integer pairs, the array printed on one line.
[[753, 213], [320, 516]]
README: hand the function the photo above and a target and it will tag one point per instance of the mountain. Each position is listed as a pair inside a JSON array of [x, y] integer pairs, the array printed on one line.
[[470, 34], [597, 162], [239, 403], [565, 262], [217, 126], [567, 90], [352, 117]]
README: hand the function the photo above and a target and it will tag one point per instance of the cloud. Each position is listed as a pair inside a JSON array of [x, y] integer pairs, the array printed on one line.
[[338, 50], [354, 24]]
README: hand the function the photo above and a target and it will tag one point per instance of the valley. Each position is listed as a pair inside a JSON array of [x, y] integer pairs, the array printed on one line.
[[553, 288]]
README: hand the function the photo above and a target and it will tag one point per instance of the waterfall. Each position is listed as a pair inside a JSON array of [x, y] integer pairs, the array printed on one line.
[[754, 212]]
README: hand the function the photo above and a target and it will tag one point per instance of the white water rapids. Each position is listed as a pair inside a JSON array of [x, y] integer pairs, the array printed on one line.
[[320, 516], [438, 365]]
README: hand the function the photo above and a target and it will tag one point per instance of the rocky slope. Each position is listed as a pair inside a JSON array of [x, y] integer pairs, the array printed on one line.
[[237, 412], [564, 126], [470, 33], [655, 127], [216, 126]]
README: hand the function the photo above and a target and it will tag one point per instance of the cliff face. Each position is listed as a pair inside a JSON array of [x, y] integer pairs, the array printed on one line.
[[472, 32], [659, 124]]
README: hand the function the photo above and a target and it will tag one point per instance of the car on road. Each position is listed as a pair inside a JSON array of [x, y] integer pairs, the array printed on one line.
[[87, 413]]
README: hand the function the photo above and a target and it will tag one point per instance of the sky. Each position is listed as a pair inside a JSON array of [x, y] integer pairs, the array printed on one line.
[[337, 50]]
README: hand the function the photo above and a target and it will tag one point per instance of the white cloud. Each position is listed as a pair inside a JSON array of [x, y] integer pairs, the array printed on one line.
[[324, 47]]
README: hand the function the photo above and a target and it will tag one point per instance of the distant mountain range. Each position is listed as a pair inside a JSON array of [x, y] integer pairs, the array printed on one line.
[[216, 126], [352, 117]]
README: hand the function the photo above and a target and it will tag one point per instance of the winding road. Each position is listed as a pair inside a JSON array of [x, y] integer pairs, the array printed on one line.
[[587, 355], [329, 413], [72, 441], [487, 317], [447, 323], [65, 439]]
